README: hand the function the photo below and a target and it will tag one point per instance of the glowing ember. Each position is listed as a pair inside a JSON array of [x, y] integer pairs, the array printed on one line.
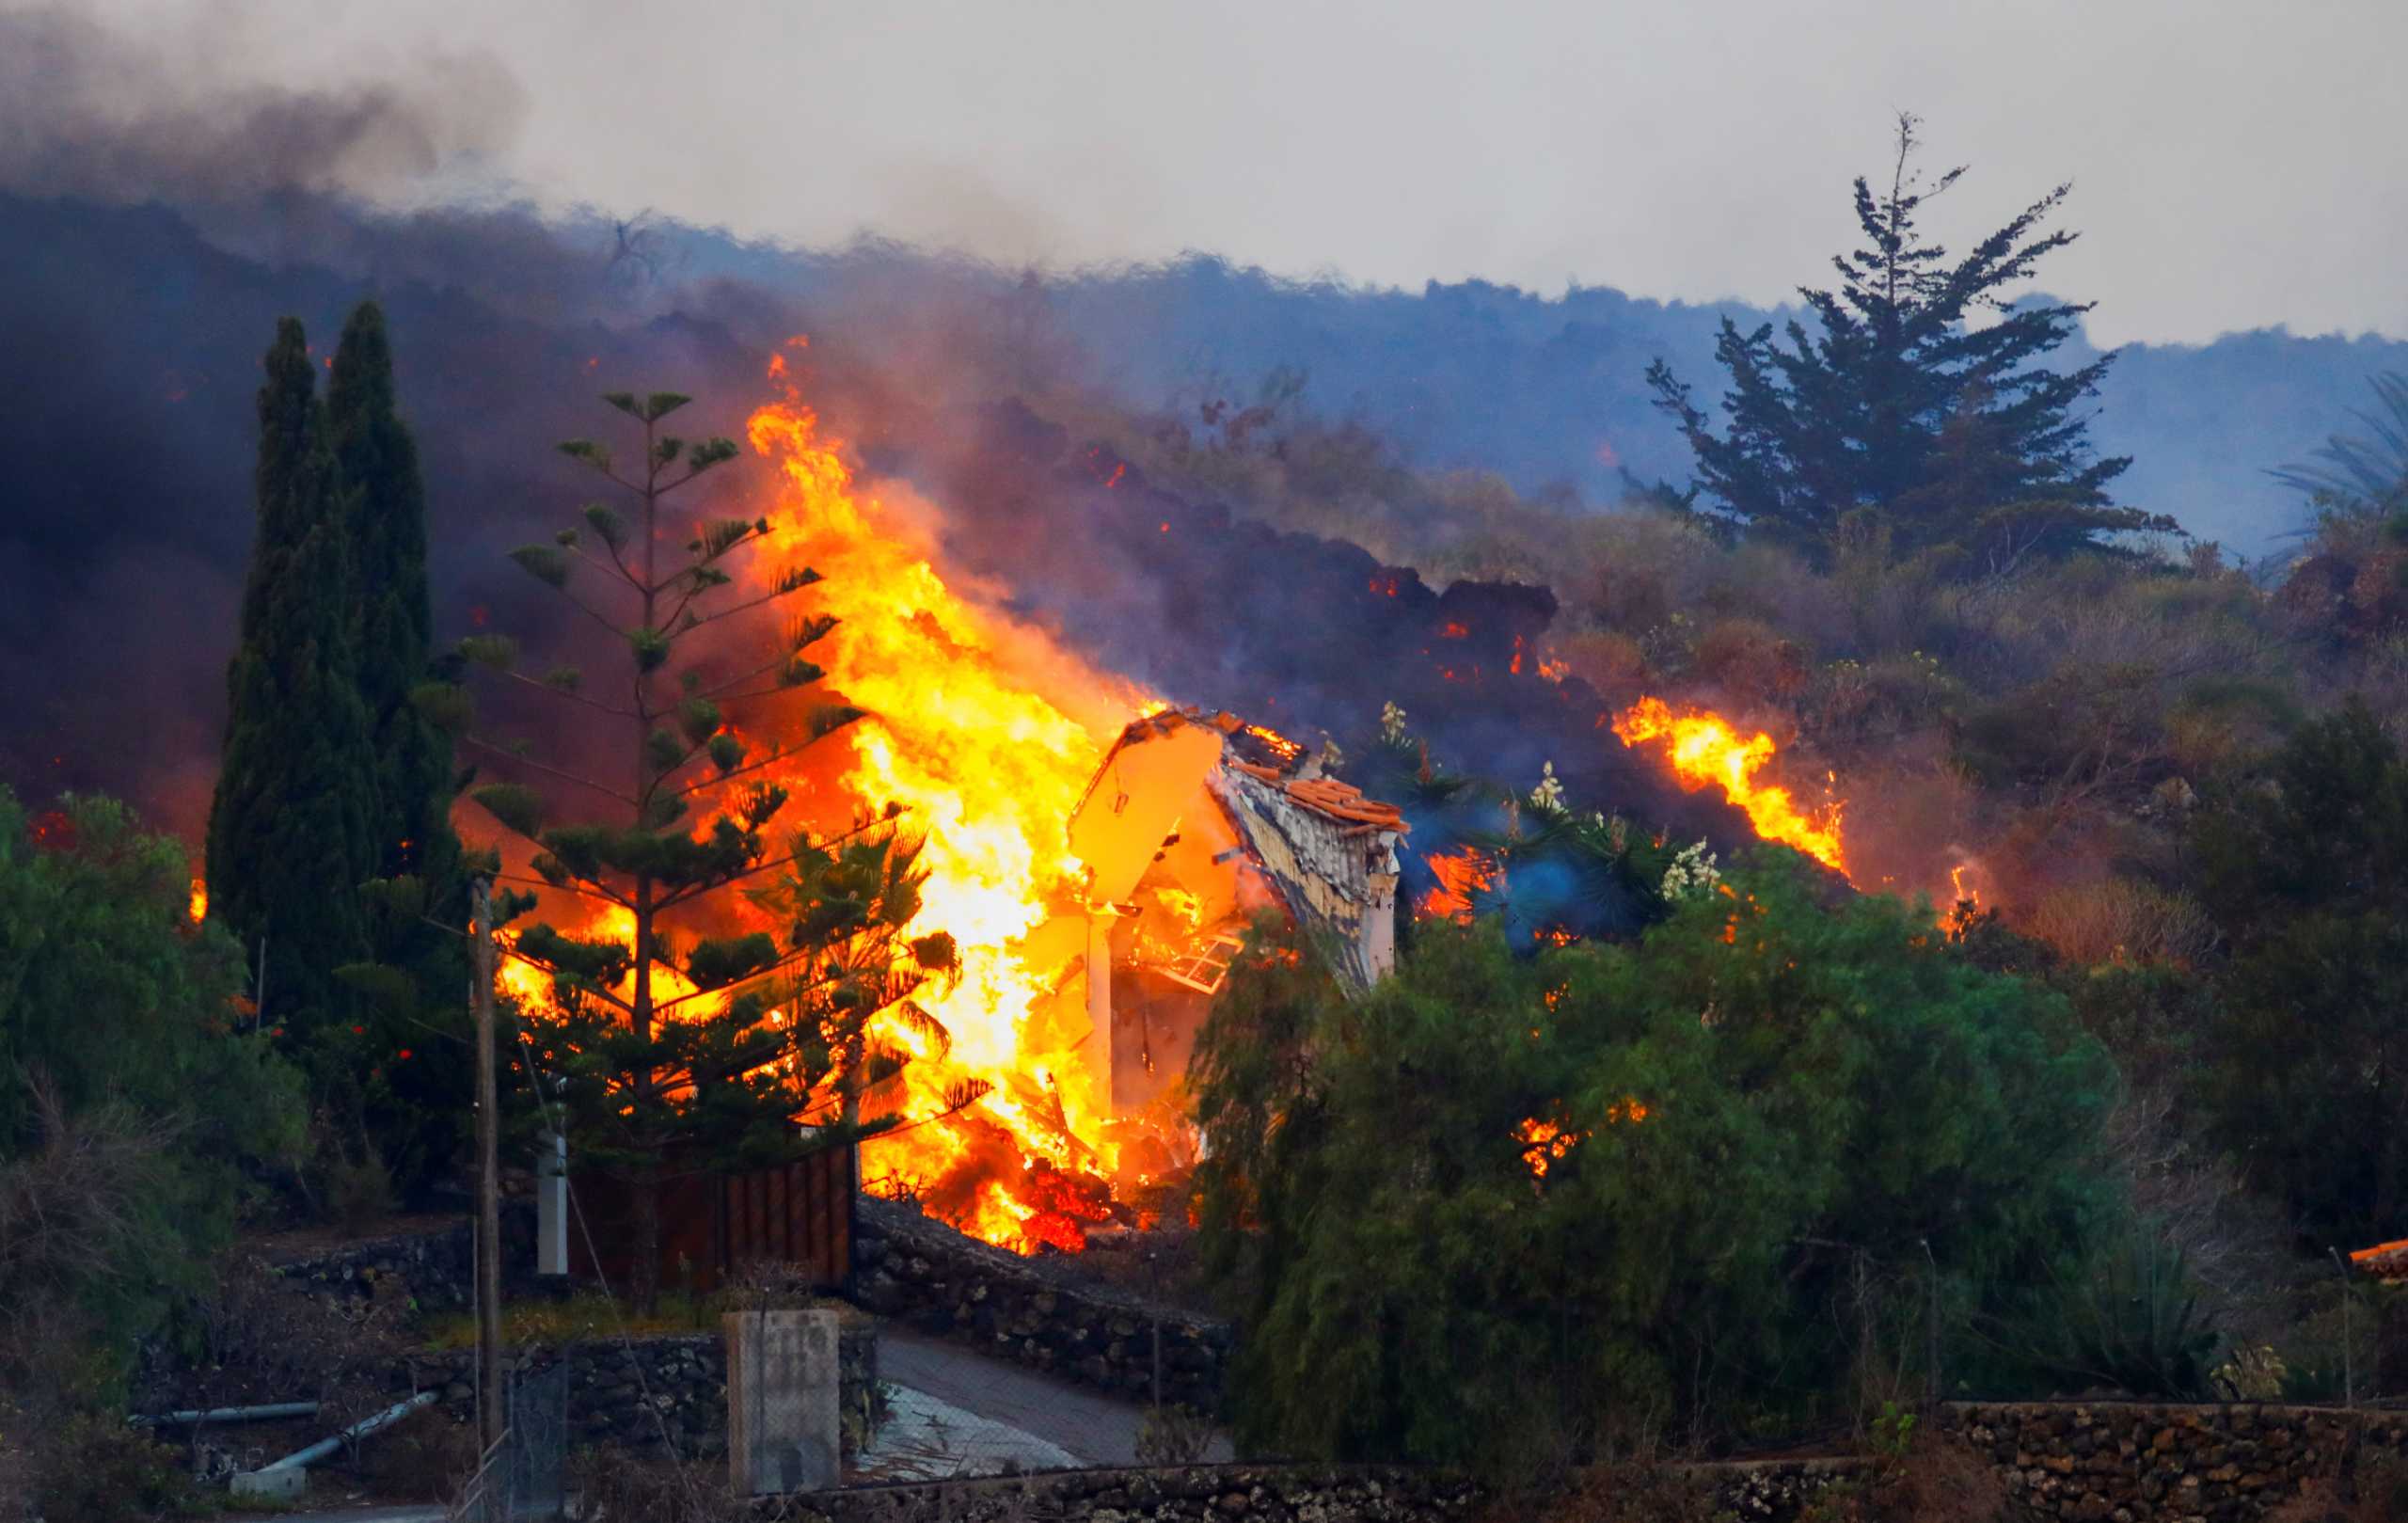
[[197, 907], [1548, 1143], [1964, 905], [1704, 748], [1544, 1143]]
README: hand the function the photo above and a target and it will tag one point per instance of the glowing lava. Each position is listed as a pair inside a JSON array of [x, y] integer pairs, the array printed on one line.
[[1704, 748]]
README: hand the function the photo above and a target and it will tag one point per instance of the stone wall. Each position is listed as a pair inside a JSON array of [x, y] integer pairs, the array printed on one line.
[[2129, 1462], [932, 1278], [1271, 1494], [438, 1268], [2109, 1462], [651, 1390], [1779, 1491]]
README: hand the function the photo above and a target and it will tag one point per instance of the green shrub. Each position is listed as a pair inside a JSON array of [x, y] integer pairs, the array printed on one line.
[[1646, 1184], [2126, 1319]]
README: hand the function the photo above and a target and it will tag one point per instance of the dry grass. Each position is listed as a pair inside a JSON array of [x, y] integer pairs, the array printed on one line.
[[2118, 920], [1939, 1480], [593, 1315]]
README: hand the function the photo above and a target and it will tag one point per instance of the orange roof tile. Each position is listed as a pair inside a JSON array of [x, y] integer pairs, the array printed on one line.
[[2384, 1260], [1329, 797]]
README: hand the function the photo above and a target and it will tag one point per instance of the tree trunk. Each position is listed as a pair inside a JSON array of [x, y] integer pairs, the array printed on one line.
[[644, 1272]]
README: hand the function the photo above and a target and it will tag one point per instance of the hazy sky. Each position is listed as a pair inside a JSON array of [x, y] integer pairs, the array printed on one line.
[[2235, 165]]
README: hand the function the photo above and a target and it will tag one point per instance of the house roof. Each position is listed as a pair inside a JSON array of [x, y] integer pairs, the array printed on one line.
[[2384, 1260], [1271, 757], [1327, 796]]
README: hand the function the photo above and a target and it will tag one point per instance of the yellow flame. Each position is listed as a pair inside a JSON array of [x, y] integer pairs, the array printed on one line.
[[987, 767], [1704, 748]]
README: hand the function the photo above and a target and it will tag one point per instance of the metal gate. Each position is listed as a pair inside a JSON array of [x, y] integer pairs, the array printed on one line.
[[524, 1476]]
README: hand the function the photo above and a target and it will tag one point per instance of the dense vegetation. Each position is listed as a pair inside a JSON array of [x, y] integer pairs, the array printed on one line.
[[1677, 1185], [1785, 1152], [136, 1120], [2168, 787]]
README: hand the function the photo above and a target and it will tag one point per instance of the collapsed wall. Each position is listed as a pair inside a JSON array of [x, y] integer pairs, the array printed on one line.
[[1192, 823]]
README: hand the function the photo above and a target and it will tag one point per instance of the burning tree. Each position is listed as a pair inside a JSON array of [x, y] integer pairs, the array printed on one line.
[[751, 1044]]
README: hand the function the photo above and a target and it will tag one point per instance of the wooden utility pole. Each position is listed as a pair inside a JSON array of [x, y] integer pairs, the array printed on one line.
[[490, 1411]]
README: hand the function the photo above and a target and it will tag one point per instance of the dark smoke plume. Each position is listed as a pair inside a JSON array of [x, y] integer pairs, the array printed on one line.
[[96, 114], [152, 232]]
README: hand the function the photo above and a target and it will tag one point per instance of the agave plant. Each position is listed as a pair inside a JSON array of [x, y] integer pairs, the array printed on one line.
[[2361, 476]]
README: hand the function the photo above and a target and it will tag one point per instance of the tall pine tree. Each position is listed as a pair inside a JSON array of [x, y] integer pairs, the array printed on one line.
[[1920, 393], [290, 827]]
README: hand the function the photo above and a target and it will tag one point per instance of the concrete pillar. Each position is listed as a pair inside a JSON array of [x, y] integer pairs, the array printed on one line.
[[551, 1205], [784, 1429], [1100, 919]]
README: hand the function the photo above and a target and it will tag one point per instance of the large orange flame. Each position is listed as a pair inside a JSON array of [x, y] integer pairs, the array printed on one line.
[[1705, 747], [985, 735], [988, 767]]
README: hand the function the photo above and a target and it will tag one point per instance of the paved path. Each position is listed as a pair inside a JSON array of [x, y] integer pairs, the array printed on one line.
[[1096, 1429]]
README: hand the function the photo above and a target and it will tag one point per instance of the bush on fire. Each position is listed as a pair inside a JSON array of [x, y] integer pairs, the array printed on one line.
[[1686, 1184]]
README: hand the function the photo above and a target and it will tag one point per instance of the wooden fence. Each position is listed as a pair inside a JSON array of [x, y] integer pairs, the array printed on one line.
[[799, 1214]]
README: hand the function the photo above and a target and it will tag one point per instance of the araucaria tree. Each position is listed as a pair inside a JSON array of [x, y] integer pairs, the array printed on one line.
[[1919, 391], [684, 1042], [290, 827]]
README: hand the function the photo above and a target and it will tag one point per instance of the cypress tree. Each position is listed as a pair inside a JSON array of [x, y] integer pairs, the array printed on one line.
[[289, 827], [410, 1091], [377, 461]]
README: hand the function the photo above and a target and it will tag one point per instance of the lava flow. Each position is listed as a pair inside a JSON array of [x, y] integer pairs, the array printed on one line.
[[1705, 747]]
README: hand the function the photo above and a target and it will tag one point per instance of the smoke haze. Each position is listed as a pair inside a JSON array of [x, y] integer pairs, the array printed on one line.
[[159, 209]]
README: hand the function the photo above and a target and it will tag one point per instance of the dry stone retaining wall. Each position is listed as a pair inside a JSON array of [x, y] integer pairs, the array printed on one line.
[[2132, 1462], [647, 1391], [438, 1268], [1780, 1491], [1196, 1494], [931, 1278]]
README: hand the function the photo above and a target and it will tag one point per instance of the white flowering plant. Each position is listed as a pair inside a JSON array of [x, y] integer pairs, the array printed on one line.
[[1692, 872]]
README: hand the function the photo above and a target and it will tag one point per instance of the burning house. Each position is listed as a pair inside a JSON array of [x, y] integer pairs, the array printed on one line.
[[1095, 873], [1193, 824]]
